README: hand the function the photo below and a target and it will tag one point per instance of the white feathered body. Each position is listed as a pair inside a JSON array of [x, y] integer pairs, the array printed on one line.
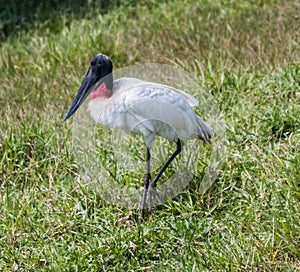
[[150, 109]]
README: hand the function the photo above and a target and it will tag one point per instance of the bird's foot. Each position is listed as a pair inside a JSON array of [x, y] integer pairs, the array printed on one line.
[[149, 203], [154, 199], [144, 214], [145, 196]]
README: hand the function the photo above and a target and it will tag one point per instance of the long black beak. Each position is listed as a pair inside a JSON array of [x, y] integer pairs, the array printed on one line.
[[85, 89]]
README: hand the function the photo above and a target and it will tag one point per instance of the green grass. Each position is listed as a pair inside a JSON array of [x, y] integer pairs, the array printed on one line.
[[246, 53]]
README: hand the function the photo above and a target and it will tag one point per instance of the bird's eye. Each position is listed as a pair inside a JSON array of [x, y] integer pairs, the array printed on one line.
[[93, 63]]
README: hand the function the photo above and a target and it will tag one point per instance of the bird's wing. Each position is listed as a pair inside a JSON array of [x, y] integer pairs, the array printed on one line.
[[125, 83], [192, 101], [157, 108]]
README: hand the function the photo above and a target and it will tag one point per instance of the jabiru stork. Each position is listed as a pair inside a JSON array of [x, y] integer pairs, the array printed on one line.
[[142, 107]]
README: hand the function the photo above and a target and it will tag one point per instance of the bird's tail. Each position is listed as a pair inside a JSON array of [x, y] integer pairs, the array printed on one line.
[[204, 131]]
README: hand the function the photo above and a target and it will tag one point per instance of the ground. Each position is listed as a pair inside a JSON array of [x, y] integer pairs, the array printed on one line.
[[246, 55]]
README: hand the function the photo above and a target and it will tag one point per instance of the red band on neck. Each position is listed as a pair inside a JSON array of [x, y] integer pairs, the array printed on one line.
[[101, 91]]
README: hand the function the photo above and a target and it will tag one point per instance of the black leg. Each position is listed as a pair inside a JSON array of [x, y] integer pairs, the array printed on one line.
[[162, 170], [146, 183]]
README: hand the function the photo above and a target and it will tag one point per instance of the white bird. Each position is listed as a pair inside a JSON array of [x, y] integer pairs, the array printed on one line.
[[142, 107]]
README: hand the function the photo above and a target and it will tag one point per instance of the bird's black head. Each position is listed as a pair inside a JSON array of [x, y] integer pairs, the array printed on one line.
[[100, 70], [101, 65]]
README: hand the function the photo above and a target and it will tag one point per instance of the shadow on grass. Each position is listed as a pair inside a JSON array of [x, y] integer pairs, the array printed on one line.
[[18, 15]]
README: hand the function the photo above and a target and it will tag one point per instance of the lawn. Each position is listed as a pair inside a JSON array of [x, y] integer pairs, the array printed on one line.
[[245, 54]]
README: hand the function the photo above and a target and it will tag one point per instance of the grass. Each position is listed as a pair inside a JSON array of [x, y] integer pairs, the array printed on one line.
[[246, 53]]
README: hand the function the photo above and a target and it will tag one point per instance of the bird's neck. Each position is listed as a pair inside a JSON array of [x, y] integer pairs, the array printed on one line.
[[104, 90], [108, 79]]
